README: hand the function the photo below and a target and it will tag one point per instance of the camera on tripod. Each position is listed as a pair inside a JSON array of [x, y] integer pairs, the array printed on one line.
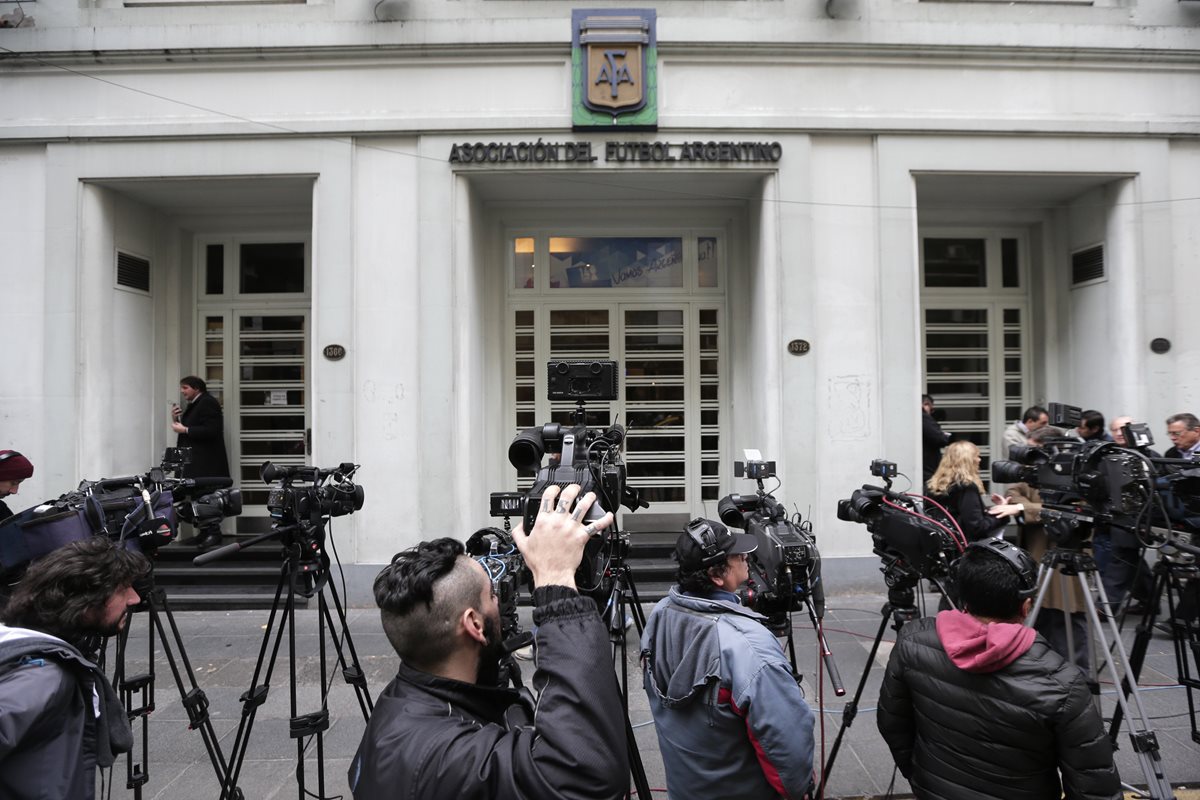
[[910, 544], [328, 493], [786, 566], [141, 511], [586, 456], [1081, 482]]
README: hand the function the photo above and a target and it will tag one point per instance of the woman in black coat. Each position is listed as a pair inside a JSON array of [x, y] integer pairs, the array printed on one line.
[[201, 426], [957, 486]]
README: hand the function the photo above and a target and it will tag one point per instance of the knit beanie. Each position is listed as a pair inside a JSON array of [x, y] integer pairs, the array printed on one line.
[[14, 468]]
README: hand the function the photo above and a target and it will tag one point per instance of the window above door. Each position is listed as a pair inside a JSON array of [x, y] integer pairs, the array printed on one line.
[[549, 263]]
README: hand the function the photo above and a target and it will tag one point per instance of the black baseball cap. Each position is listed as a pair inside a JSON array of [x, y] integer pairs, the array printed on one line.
[[707, 543]]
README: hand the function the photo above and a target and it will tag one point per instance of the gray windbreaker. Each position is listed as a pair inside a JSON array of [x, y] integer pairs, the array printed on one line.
[[731, 719], [59, 719]]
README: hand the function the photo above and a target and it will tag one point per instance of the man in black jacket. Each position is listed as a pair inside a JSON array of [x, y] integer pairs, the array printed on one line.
[[976, 706], [201, 427], [59, 716], [443, 728]]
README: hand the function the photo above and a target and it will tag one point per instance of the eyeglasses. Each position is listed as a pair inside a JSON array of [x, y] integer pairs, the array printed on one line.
[[8, 455]]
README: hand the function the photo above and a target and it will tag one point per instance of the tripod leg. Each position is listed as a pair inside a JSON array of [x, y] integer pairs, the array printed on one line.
[[1141, 642], [850, 710], [195, 701], [256, 695], [1142, 738], [128, 686], [616, 638], [352, 670]]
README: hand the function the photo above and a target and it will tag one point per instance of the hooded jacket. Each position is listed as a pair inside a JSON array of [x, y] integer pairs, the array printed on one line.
[[730, 717], [435, 738], [59, 719], [975, 711]]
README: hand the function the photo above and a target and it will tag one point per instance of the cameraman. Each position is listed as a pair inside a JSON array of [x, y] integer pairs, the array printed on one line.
[[443, 728], [976, 705], [59, 716], [14, 468], [730, 716]]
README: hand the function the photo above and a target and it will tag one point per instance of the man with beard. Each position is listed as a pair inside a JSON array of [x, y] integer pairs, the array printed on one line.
[[59, 716], [444, 728]]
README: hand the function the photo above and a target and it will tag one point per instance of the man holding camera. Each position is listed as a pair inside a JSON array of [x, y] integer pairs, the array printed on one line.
[[443, 728], [976, 705], [1034, 417], [59, 716], [730, 716]]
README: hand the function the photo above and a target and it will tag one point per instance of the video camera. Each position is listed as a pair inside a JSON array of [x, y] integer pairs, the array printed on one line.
[[579, 454], [495, 550], [1099, 482], [140, 511], [910, 544], [786, 567], [328, 493]]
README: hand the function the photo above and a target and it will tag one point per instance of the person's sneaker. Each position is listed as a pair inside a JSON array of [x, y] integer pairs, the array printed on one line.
[[525, 653]]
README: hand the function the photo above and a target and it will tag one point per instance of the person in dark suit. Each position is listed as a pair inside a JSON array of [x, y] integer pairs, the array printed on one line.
[[201, 426], [933, 439]]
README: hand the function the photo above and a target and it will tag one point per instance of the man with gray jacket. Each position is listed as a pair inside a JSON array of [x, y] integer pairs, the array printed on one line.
[[730, 716], [59, 716]]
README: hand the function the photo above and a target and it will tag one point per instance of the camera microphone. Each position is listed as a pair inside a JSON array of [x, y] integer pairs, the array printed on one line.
[[614, 435]]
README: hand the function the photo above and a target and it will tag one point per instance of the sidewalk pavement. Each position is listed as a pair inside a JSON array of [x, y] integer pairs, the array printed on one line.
[[223, 647]]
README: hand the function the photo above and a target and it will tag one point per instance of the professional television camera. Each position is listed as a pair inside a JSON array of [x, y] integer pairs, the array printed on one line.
[[495, 550], [786, 567], [579, 454], [911, 544], [141, 511]]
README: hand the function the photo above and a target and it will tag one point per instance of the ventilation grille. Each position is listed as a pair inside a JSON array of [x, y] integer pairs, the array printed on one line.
[[1087, 265], [133, 272]]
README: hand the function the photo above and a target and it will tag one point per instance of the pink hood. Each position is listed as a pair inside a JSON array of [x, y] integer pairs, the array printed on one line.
[[976, 647]]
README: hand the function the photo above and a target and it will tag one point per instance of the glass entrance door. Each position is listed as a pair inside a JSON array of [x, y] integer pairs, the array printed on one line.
[[272, 403], [254, 330], [976, 332]]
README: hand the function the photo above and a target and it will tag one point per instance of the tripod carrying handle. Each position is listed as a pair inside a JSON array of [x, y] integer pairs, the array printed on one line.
[[230, 549]]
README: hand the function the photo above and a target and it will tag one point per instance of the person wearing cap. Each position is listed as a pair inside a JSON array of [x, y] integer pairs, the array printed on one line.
[[14, 468], [730, 715], [974, 704]]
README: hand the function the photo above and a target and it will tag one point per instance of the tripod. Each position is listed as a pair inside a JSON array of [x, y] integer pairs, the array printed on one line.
[[140, 687], [1174, 579], [899, 609], [305, 574], [618, 606], [1073, 562]]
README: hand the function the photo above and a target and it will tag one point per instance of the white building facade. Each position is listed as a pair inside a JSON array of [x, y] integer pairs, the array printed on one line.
[[336, 213]]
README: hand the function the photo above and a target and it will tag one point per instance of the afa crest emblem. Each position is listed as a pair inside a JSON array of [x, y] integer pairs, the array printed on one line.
[[614, 66]]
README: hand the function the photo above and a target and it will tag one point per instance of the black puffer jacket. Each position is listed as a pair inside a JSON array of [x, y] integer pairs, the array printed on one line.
[[436, 738], [1000, 735]]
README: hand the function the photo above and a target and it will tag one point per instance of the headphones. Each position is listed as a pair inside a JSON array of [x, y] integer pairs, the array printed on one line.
[[6, 456], [1021, 563], [702, 533]]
